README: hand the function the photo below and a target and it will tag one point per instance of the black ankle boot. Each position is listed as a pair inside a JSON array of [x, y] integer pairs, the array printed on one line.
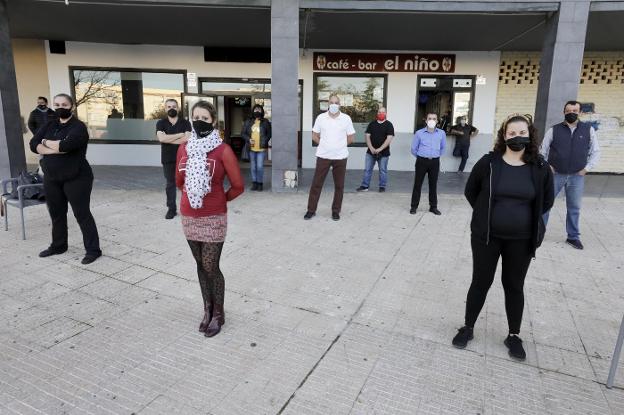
[[217, 320], [206, 320]]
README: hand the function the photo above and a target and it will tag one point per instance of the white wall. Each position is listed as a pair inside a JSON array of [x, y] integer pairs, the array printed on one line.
[[189, 58], [401, 96], [401, 102]]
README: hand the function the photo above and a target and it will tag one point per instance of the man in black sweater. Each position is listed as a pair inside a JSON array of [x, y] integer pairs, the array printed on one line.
[[40, 115]]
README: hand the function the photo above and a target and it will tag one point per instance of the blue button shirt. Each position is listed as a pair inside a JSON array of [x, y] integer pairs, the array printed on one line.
[[429, 144]]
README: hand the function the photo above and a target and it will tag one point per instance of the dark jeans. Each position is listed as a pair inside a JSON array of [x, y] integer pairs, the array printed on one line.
[[77, 192], [430, 167], [339, 168], [463, 151], [170, 189], [516, 255]]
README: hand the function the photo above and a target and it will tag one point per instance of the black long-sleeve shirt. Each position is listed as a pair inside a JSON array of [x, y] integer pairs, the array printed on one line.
[[73, 137]]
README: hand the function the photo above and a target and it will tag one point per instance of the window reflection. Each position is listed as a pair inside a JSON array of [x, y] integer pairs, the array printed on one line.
[[124, 105]]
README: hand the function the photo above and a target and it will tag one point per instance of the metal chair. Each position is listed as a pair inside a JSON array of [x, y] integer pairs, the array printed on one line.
[[616, 356], [21, 202]]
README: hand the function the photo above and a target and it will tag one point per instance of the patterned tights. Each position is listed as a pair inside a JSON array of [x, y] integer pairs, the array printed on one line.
[[211, 281]]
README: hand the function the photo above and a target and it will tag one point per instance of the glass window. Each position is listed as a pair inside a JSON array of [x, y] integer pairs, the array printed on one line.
[[219, 88], [360, 97], [124, 105]]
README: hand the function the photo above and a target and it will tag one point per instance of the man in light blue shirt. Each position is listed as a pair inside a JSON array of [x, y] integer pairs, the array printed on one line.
[[428, 145]]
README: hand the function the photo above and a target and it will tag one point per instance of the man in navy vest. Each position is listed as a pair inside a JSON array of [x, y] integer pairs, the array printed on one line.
[[572, 150]]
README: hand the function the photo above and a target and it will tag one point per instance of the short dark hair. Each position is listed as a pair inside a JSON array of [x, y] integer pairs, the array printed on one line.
[[43, 98], [430, 113], [571, 102], [207, 106], [66, 96], [172, 100]]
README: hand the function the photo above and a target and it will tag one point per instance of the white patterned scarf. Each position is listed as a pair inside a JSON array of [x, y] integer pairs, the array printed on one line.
[[198, 178]]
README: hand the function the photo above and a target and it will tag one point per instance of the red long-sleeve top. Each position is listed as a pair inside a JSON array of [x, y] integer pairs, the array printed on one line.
[[222, 162]]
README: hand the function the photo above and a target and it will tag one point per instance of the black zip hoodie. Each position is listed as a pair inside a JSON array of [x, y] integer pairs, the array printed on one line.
[[481, 187]]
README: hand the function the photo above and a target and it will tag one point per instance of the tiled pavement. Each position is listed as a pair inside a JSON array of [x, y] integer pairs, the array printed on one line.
[[323, 317]]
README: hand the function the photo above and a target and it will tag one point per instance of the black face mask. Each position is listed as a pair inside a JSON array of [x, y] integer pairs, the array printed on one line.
[[518, 143], [172, 113], [258, 114], [42, 107], [202, 128], [63, 113], [571, 117]]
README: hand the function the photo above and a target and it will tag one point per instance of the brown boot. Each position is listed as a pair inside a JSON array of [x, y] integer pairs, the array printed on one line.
[[218, 320], [206, 320]]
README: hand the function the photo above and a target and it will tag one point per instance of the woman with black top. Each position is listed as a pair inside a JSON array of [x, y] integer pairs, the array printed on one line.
[[509, 189], [67, 177]]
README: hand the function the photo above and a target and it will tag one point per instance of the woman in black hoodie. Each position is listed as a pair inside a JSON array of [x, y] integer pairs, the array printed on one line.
[[509, 190]]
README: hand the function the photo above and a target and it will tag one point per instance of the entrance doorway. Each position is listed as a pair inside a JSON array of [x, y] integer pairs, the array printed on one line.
[[235, 98], [448, 96]]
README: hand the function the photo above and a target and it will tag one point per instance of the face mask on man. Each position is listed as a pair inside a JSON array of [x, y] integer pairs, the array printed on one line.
[[431, 124], [334, 108], [463, 123], [518, 143], [571, 117], [202, 128], [172, 112], [63, 113], [381, 117]]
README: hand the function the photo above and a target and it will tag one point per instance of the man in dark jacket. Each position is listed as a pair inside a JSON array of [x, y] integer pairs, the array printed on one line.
[[40, 115]]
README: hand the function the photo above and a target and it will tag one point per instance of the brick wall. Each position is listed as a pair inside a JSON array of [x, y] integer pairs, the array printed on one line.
[[602, 83]]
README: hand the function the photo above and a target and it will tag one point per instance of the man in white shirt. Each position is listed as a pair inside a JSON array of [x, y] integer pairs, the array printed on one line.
[[333, 131]]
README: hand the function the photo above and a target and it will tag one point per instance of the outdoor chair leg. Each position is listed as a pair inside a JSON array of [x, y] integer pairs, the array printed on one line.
[[23, 224], [616, 356]]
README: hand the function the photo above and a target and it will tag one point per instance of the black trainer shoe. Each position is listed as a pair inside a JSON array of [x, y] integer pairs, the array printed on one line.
[[254, 186], [362, 189], [514, 344], [170, 214], [435, 211], [259, 187], [463, 336], [309, 215], [89, 258], [335, 216], [576, 243], [382, 189], [413, 211], [50, 252]]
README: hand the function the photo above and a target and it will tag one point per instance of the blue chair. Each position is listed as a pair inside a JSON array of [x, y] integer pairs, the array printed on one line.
[[20, 202]]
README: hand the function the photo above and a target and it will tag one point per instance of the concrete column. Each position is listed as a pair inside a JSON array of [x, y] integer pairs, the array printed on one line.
[[561, 63], [284, 104], [12, 156]]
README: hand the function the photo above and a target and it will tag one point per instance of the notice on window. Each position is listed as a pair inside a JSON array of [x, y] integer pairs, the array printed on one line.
[[191, 79]]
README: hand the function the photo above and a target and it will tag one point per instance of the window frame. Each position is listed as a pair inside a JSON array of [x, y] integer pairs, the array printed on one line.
[[346, 75], [73, 68]]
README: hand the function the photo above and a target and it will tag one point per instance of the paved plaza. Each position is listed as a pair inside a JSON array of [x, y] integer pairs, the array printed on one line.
[[322, 317]]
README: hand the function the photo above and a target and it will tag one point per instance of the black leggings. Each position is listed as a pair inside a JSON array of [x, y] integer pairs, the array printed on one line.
[[211, 281], [516, 256]]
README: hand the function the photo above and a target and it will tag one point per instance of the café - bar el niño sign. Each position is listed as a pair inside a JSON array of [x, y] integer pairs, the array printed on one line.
[[384, 62]]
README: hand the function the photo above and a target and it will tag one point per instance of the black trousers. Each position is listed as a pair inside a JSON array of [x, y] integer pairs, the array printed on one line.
[[516, 256], [77, 192], [431, 168], [463, 151], [169, 169]]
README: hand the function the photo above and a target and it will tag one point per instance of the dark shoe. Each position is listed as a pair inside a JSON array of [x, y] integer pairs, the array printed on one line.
[[413, 210], [89, 258], [362, 189], [206, 320], [435, 211], [309, 215], [170, 214], [50, 252], [514, 344], [382, 189], [217, 320], [463, 336], [335, 216], [259, 187], [576, 243], [254, 186]]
